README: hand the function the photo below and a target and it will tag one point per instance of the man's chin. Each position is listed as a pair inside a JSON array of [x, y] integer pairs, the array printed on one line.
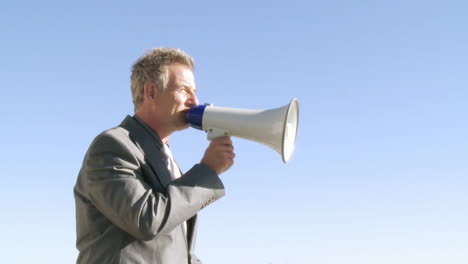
[[183, 127]]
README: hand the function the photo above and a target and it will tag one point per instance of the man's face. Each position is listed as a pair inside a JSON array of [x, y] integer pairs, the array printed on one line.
[[179, 96]]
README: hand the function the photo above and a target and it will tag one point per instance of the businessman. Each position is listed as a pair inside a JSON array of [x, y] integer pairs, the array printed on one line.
[[133, 204]]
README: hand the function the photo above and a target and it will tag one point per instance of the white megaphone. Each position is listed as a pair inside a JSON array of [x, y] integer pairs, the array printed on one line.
[[275, 128]]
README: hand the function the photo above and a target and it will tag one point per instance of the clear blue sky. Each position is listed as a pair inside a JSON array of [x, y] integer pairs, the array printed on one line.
[[380, 172]]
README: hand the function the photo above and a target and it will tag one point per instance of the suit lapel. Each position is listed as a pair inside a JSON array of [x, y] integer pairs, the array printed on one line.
[[151, 146], [191, 233]]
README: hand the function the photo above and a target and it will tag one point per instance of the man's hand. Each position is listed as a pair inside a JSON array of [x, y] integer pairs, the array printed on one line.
[[219, 156]]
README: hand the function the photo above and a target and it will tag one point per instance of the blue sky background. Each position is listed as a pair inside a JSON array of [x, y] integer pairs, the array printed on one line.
[[380, 172]]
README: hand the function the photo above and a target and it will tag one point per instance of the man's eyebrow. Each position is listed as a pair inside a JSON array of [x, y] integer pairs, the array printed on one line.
[[189, 87]]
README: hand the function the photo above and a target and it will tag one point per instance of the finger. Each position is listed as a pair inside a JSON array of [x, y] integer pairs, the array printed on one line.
[[222, 144], [223, 140], [229, 155], [225, 148]]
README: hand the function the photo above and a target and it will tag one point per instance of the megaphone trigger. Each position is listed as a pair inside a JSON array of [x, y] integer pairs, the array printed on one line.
[[214, 133]]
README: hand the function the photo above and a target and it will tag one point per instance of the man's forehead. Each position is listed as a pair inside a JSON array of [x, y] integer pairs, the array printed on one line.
[[180, 73]]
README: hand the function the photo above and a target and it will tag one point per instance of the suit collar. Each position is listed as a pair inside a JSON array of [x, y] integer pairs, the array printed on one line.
[[149, 130], [151, 146]]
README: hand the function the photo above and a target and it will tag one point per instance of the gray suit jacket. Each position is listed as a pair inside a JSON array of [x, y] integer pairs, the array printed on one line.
[[128, 209]]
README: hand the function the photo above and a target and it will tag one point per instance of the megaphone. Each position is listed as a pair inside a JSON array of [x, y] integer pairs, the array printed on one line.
[[275, 128]]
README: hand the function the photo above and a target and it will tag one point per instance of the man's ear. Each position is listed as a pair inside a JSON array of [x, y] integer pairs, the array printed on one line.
[[149, 91]]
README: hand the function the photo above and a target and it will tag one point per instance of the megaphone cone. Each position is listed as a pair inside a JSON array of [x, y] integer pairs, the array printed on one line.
[[275, 128]]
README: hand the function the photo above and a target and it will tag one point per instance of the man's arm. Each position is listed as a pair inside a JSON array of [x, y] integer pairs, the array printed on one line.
[[113, 183]]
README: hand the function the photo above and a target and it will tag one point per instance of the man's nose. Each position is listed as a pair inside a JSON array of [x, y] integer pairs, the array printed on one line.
[[193, 100]]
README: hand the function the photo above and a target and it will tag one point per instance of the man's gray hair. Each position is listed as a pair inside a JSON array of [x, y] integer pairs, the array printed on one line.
[[151, 67]]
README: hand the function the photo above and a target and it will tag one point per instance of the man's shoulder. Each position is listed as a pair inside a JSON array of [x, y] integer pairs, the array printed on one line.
[[116, 141], [115, 132], [116, 135], [118, 132], [129, 136]]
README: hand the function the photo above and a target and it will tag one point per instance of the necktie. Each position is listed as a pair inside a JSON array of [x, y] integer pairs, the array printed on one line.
[[170, 163]]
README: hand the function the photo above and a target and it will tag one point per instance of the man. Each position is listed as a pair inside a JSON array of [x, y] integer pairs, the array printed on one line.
[[133, 205]]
